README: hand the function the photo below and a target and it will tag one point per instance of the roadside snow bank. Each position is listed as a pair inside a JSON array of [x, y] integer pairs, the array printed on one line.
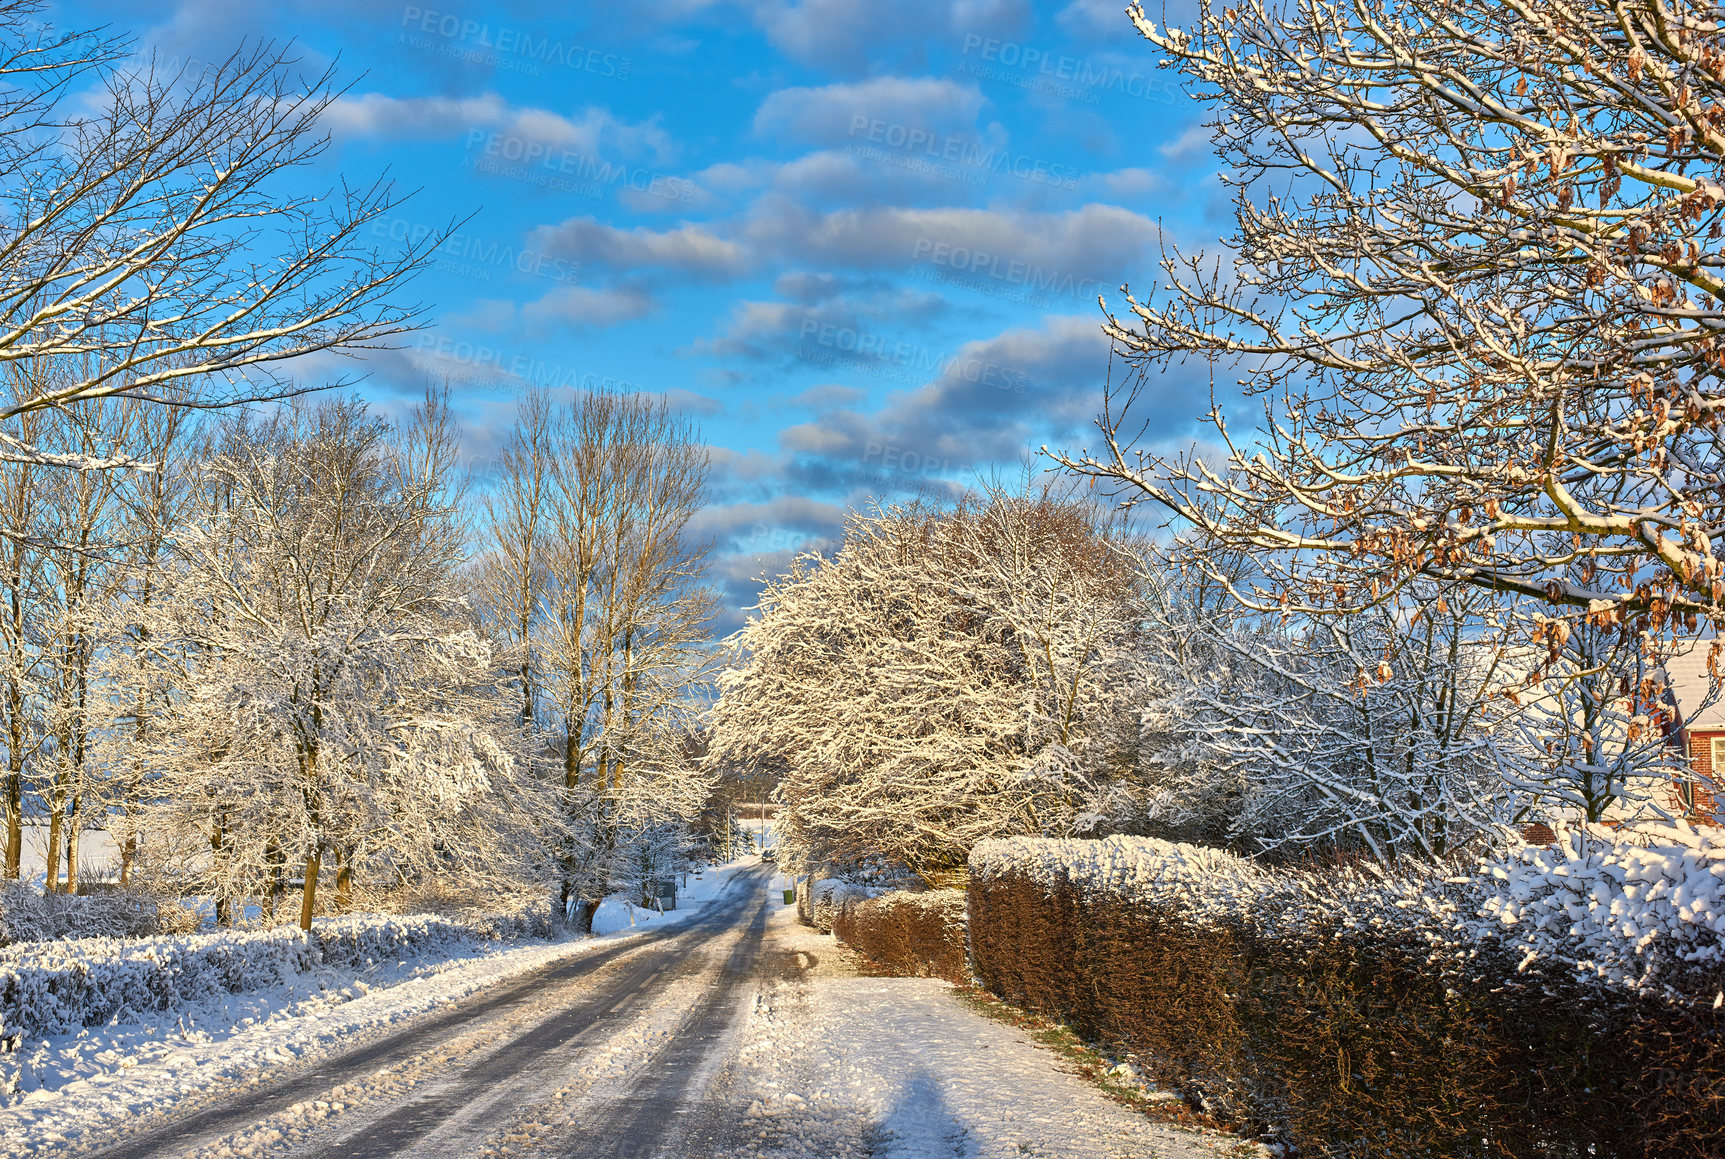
[[49, 988]]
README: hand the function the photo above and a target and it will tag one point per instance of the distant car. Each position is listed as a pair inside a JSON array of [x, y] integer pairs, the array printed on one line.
[[769, 855]]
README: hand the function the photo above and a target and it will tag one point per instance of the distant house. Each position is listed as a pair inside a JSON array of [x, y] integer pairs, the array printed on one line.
[[1699, 732]]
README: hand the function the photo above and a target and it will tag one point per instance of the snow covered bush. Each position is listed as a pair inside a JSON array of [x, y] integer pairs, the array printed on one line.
[[1641, 906], [918, 935], [1545, 1002], [29, 916], [56, 987]]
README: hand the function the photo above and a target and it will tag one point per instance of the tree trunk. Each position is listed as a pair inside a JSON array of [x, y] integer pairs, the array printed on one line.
[[584, 910], [308, 900], [343, 882], [73, 832], [14, 803], [52, 882], [128, 848], [218, 840]]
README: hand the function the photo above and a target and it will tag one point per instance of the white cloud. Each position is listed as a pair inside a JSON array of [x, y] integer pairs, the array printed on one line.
[[583, 308], [594, 131], [1103, 243], [690, 249], [850, 35], [1193, 142], [1074, 252], [831, 114]]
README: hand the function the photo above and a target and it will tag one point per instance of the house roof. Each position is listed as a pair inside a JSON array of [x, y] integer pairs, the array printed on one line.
[[1686, 674]]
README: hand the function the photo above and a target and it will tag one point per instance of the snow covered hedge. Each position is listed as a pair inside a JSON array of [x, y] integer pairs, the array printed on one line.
[[820, 900], [1643, 908], [1549, 1002], [1639, 908], [918, 935], [56, 987], [27, 915]]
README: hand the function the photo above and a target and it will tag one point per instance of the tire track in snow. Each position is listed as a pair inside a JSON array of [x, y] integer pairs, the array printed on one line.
[[659, 1110], [243, 1108], [457, 1114]]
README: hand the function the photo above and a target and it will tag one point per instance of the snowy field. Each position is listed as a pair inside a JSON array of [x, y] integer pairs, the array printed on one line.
[[98, 856], [56, 1090]]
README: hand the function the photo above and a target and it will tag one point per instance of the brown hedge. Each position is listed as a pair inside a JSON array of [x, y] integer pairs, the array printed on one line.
[[1350, 1043], [919, 935]]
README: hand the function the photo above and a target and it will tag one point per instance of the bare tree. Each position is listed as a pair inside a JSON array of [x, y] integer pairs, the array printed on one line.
[[598, 587], [1476, 287], [1589, 737], [80, 509], [154, 237], [326, 698], [1367, 733], [154, 508], [21, 624], [512, 576]]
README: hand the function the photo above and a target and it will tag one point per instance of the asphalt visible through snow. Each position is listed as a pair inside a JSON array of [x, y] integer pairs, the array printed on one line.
[[449, 1101], [735, 1035]]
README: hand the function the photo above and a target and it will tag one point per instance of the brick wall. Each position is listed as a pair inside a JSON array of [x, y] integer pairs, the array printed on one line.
[[1706, 808]]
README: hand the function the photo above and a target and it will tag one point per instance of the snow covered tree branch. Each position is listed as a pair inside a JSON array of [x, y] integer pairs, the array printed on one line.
[[948, 675], [152, 240], [1476, 286], [596, 586], [321, 689]]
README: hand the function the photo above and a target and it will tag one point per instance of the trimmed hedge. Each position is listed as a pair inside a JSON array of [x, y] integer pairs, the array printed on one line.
[[819, 902], [56, 987], [1352, 1014], [918, 935]]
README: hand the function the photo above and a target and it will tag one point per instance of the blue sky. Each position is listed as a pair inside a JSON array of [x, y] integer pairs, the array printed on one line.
[[860, 242]]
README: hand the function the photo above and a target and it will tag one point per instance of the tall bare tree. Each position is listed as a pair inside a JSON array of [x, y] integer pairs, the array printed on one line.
[[81, 509], [155, 505], [21, 625], [594, 576]]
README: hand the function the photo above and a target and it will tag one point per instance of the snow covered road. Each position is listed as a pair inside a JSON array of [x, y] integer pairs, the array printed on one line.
[[734, 1033]]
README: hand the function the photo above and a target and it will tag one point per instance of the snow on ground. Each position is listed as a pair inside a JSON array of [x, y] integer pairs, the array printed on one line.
[[63, 1087], [97, 855], [834, 1065], [618, 913]]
